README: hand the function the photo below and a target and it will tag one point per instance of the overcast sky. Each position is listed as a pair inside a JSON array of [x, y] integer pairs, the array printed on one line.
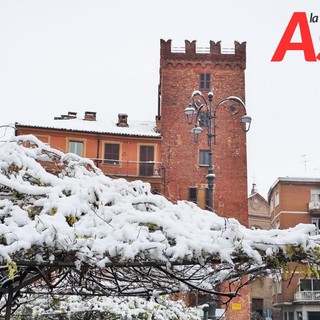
[[99, 55]]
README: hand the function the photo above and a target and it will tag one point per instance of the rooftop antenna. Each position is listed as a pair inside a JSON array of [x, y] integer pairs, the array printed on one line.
[[304, 161]]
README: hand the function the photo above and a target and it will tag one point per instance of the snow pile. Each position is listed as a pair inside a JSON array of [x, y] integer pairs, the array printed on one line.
[[129, 308], [74, 208]]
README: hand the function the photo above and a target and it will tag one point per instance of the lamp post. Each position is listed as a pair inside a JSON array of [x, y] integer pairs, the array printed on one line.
[[201, 113]]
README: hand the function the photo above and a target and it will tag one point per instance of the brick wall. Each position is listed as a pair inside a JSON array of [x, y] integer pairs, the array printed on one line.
[[179, 77]]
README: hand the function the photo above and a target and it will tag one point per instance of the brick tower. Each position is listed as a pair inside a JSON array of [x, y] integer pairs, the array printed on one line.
[[185, 176], [184, 171]]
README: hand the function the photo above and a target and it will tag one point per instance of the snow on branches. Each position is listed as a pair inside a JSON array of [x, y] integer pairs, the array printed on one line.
[[58, 208], [130, 308]]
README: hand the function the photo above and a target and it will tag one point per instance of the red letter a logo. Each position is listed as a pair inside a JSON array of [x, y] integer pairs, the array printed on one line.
[[306, 45]]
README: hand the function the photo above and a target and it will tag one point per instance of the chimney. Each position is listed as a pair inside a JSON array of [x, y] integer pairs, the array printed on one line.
[[90, 116], [158, 124], [70, 115], [122, 120]]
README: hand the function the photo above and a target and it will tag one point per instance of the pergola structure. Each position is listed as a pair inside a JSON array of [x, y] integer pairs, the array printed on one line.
[[69, 230], [128, 279]]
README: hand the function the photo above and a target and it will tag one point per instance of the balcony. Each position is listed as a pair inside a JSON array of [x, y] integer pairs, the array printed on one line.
[[307, 296], [129, 168], [314, 207]]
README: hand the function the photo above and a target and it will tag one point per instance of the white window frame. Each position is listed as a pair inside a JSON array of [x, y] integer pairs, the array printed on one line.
[[315, 195], [271, 205], [276, 199], [76, 147]]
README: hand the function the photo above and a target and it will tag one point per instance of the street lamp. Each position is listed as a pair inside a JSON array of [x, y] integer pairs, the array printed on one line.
[[200, 112]]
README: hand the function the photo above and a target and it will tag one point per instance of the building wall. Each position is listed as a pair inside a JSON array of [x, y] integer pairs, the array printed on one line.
[[293, 203], [261, 289], [179, 77], [94, 150], [289, 200]]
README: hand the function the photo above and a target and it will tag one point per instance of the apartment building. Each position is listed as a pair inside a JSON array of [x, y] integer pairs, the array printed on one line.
[[293, 201], [119, 147]]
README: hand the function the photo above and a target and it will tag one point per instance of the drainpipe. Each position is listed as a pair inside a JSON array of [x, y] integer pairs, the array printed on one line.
[[98, 152]]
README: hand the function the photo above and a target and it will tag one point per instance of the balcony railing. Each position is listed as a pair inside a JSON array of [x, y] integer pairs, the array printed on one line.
[[307, 296], [314, 207], [130, 168]]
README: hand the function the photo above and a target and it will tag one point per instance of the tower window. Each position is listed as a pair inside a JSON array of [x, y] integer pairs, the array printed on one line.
[[204, 157], [192, 194], [205, 81]]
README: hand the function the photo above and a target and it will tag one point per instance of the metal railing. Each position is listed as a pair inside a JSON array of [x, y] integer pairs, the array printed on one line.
[[130, 167], [314, 206], [307, 296]]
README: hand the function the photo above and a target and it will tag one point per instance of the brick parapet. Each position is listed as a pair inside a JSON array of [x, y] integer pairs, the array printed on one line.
[[215, 57]]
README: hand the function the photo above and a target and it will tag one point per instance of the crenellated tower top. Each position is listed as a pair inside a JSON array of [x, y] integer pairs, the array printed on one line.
[[214, 55]]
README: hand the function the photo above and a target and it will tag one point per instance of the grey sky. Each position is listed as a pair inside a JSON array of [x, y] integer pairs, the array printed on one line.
[[103, 56]]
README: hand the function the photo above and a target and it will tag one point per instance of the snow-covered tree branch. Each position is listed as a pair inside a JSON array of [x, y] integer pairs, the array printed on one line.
[[64, 222], [95, 308]]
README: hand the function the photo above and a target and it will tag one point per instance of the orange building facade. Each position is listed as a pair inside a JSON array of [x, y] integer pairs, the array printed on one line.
[[119, 148]]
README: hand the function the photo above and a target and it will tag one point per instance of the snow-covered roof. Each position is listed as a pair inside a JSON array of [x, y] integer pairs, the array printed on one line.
[[104, 126]]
